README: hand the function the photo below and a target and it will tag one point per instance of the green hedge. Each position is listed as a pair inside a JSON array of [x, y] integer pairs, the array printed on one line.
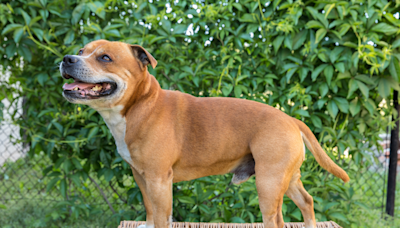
[[332, 64]]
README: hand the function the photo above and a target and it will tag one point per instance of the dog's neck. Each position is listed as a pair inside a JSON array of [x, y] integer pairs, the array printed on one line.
[[117, 125], [143, 100], [144, 93]]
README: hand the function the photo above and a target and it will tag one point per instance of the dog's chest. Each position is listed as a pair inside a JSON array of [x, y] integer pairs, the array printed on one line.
[[117, 125]]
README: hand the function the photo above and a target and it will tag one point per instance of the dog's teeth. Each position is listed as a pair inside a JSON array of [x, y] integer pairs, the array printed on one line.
[[97, 88], [76, 88]]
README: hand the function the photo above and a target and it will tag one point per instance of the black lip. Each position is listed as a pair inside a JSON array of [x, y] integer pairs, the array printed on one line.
[[66, 76]]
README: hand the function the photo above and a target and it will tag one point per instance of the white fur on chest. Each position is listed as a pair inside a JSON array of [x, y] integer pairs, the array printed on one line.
[[117, 125]]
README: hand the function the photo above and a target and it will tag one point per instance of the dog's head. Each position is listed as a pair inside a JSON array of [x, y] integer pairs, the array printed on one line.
[[104, 73]]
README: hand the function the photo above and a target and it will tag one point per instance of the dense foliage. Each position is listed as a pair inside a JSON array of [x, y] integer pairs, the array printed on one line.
[[332, 64]]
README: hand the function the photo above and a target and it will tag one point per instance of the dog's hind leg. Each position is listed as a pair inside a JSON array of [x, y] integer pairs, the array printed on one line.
[[271, 187], [302, 199]]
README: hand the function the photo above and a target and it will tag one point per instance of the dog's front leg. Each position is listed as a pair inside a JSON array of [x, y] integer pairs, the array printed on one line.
[[159, 191], [147, 204]]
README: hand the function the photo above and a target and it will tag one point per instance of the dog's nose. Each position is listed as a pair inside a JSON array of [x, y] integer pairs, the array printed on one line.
[[70, 59]]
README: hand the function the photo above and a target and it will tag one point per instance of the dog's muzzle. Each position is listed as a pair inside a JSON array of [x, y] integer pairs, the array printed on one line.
[[85, 86]]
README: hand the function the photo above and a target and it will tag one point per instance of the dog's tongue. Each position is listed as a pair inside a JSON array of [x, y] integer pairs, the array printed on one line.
[[80, 85]]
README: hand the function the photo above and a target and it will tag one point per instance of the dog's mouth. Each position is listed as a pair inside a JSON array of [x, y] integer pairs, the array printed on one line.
[[86, 90]]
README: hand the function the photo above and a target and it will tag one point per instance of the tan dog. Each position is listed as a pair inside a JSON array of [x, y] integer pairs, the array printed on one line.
[[169, 136]]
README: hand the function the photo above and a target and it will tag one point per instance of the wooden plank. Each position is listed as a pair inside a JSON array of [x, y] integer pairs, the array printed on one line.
[[134, 224]]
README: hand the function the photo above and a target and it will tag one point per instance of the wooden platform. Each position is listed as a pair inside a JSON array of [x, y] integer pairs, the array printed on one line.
[[134, 224]]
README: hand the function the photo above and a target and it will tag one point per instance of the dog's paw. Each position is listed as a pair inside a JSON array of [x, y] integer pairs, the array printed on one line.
[[141, 226]]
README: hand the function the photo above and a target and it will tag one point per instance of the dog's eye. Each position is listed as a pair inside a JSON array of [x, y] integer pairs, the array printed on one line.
[[106, 58], [80, 52]]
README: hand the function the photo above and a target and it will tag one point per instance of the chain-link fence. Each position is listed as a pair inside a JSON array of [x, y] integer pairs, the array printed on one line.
[[371, 179], [21, 178]]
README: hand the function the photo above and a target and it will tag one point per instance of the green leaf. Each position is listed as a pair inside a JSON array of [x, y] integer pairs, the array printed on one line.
[[63, 188], [42, 78], [252, 28], [76, 179], [237, 220], [108, 175], [330, 7], [323, 89], [69, 37], [314, 24], [332, 109], [10, 28], [364, 89], [77, 13], [314, 13], [18, 34], [370, 106], [179, 29], [302, 112], [227, 89], [316, 121], [38, 32], [254, 201], [238, 6], [394, 68], [393, 83], [186, 199], [299, 39], [93, 132], [353, 86], [350, 44], [248, 18], [317, 71], [321, 102], [25, 52], [396, 43], [335, 54], [342, 103], [278, 42], [328, 72], [51, 183], [238, 91], [320, 35], [76, 163], [59, 127], [338, 216], [112, 32], [343, 75], [26, 17], [166, 25], [204, 208], [340, 67], [354, 107], [288, 42], [385, 28], [97, 8], [296, 214], [365, 78], [384, 87], [67, 165], [44, 14], [11, 49]]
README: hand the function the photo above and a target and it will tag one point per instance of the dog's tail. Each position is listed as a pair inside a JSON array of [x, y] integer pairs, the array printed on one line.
[[322, 158]]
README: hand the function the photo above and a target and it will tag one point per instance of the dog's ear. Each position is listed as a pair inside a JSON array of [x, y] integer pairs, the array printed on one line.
[[143, 56]]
